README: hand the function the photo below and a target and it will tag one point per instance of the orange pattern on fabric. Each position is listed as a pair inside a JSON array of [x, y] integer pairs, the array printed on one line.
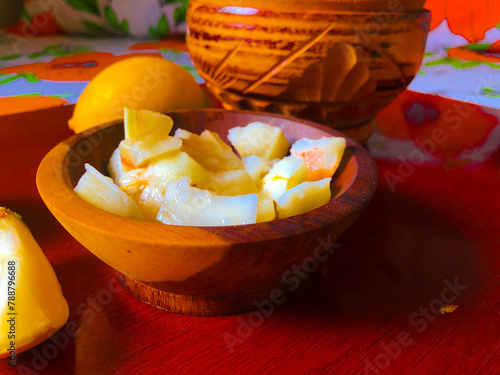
[[471, 19], [78, 67], [20, 104], [447, 126]]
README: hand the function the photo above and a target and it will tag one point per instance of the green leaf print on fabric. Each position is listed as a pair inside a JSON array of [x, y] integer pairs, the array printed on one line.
[[30, 77], [162, 29], [94, 27], [91, 6], [460, 64], [180, 13], [59, 50], [11, 57], [110, 15]]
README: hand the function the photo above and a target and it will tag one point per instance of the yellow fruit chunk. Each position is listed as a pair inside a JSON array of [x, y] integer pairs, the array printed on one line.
[[257, 138], [304, 197], [28, 279], [100, 191], [284, 175], [139, 123], [187, 205], [322, 156], [236, 182], [173, 167], [140, 82], [265, 208], [209, 150], [140, 152], [256, 167]]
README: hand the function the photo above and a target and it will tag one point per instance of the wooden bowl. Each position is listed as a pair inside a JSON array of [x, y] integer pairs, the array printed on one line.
[[202, 270], [337, 62]]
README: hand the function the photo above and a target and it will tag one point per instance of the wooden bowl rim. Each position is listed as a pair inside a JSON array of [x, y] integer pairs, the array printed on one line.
[[363, 13], [58, 196]]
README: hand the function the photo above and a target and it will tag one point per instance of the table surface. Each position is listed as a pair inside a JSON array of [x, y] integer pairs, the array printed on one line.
[[429, 238]]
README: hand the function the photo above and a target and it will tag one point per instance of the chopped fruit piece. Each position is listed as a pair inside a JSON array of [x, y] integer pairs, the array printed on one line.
[[304, 197], [139, 123], [39, 303], [256, 168], [101, 192], [173, 167], [265, 208], [284, 175], [322, 156], [257, 138], [231, 183], [128, 179], [209, 150], [140, 152], [116, 169], [149, 201], [187, 205]]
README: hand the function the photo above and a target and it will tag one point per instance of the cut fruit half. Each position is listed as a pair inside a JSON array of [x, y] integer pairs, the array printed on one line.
[[29, 283]]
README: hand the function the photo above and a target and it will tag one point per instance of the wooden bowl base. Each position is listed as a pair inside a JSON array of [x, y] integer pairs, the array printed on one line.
[[194, 305]]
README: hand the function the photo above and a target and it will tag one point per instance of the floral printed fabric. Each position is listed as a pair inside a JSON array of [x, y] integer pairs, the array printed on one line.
[[138, 18]]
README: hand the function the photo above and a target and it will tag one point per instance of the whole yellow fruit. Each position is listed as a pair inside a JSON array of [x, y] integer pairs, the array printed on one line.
[[143, 82]]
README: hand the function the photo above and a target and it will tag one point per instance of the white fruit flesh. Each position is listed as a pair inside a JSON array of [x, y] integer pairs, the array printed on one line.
[[100, 191], [186, 205], [257, 138], [304, 197], [322, 156]]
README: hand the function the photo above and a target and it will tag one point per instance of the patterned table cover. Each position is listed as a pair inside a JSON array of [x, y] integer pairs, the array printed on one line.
[[52, 71]]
